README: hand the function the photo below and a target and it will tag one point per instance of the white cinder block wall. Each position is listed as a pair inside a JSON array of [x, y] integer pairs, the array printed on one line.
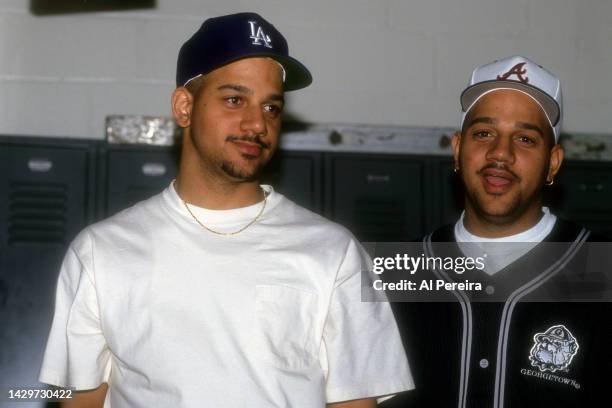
[[388, 62]]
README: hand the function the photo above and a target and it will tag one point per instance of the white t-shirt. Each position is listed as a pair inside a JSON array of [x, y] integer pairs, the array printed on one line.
[[502, 251], [171, 315]]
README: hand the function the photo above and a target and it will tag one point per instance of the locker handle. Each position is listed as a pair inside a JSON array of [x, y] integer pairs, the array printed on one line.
[[40, 165], [154, 169], [378, 178]]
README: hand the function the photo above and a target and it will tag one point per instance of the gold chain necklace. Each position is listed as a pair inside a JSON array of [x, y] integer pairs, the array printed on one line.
[[253, 221]]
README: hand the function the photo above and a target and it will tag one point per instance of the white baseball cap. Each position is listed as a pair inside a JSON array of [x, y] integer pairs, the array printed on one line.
[[521, 74]]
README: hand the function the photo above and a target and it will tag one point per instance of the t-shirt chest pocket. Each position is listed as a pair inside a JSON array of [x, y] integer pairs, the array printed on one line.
[[285, 323]]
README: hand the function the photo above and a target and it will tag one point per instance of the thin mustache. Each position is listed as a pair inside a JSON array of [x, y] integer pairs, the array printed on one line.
[[251, 139], [498, 166]]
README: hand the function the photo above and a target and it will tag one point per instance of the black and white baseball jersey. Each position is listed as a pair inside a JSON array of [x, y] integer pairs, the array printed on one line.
[[522, 351]]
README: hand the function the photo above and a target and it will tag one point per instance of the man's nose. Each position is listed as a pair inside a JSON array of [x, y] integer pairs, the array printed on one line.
[[501, 149], [253, 121]]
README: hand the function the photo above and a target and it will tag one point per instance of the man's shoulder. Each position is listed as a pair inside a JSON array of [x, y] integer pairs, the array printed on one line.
[[569, 231], [305, 221], [445, 233], [126, 223], [563, 231], [138, 213]]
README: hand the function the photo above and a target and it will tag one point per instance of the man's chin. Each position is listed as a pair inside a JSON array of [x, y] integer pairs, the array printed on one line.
[[241, 173], [498, 210]]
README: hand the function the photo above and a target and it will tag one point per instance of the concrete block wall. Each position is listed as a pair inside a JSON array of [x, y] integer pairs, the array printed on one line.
[[387, 62]]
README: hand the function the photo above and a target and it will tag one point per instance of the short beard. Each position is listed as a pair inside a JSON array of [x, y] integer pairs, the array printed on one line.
[[515, 209], [231, 170], [513, 212]]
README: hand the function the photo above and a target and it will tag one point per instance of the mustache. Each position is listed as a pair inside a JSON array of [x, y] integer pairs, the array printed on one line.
[[256, 139], [498, 166]]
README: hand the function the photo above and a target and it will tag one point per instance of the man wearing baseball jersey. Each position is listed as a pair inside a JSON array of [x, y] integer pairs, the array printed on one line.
[[539, 333], [220, 292]]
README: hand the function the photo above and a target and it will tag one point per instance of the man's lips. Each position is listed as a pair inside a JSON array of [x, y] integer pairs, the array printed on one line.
[[248, 148], [497, 181]]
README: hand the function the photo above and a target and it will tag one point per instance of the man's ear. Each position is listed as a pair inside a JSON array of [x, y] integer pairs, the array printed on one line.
[[182, 105], [456, 144], [556, 159]]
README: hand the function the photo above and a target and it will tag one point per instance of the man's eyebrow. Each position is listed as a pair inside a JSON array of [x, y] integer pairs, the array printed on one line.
[[237, 88], [245, 90], [529, 126], [483, 119], [277, 97]]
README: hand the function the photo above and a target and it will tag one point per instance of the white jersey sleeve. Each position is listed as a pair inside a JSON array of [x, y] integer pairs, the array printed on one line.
[[76, 354], [362, 352]]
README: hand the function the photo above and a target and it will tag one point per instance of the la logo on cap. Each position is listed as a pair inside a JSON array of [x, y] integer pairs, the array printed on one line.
[[257, 35]]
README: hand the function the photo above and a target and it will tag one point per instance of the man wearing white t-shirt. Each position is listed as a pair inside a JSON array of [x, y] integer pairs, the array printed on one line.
[[220, 292], [520, 341]]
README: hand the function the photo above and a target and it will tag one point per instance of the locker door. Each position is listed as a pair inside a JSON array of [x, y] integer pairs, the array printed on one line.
[[448, 199], [43, 206], [134, 175], [379, 198], [297, 175], [583, 193]]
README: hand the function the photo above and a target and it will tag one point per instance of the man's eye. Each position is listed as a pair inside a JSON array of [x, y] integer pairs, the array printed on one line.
[[233, 100], [273, 109], [526, 140], [482, 134]]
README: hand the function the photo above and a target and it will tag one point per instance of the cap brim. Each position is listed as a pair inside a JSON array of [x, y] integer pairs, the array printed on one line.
[[297, 75], [550, 106]]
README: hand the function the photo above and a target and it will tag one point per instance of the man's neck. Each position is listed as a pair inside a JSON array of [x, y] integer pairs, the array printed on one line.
[[492, 227], [217, 195]]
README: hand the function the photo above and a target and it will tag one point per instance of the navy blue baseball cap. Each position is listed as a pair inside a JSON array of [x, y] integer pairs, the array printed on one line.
[[225, 39]]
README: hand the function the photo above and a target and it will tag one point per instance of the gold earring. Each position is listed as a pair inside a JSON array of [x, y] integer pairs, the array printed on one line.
[[550, 183]]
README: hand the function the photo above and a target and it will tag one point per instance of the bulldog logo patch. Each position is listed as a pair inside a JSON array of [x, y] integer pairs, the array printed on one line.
[[554, 349]]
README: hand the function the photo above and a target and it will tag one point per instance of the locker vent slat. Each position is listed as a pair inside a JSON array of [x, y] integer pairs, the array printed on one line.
[[37, 213]]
